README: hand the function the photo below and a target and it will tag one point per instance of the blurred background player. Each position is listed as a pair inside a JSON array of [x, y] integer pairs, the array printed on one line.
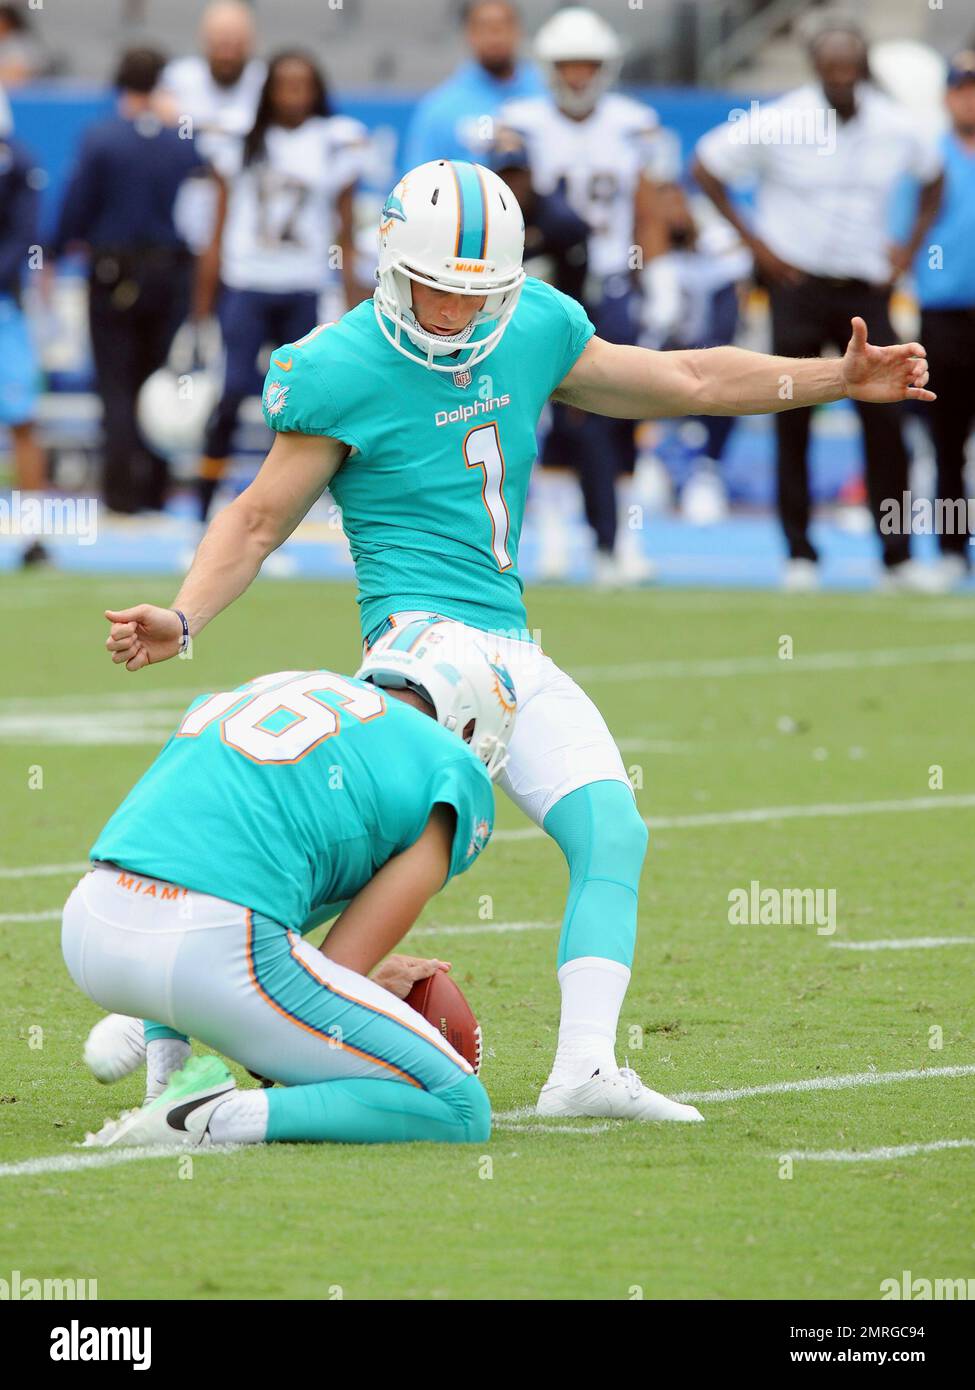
[[22, 57], [218, 90], [692, 302], [119, 207], [305, 791], [819, 246], [456, 119], [603, 150], [18, 361], [944, 277], [285, 217]]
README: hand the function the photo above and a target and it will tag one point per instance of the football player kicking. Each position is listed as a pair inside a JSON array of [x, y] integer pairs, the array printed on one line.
[[295, 794], [419, 410]]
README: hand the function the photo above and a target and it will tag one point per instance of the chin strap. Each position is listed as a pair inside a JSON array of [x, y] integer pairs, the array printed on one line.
[[450, 340]]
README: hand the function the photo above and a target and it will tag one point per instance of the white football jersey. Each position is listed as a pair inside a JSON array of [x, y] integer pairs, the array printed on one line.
[[601, 158], [218, 113], [220, 116], [281, 222]]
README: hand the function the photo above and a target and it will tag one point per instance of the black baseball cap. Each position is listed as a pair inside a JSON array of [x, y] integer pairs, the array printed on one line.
[[962, 68]]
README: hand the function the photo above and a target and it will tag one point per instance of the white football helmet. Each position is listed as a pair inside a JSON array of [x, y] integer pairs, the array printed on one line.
[[577, 34], [451, 666], [453, 226], [176, 401]]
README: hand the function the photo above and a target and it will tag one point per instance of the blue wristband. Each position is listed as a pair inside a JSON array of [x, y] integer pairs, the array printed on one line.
[[184, 641]]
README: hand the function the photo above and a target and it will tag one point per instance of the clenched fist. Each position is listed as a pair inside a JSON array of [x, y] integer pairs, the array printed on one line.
[[143, 635]]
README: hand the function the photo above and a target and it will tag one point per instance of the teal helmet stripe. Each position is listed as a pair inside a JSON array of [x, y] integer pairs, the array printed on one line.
[[472, 212]]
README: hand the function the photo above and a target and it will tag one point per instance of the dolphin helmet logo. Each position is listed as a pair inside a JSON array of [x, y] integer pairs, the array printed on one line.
[[392, 212]]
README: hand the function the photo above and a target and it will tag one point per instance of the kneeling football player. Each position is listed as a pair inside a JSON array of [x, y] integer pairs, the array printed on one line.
[[270, 802]]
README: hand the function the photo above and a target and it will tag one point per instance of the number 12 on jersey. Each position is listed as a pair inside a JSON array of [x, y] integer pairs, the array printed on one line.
[[482, 449]]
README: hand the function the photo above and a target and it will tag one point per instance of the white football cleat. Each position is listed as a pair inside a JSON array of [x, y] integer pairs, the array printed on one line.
[[634, 567], [115, 1047], [910, 577], [554, 559], [606, 572], [180, 1116], [954, 570], [614, 1095], [800, 576]]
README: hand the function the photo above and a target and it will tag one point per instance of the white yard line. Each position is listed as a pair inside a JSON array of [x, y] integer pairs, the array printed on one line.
[[51, 915], [43, 870], [816, 1083], [758, 815], [143, 693], [872, 1155], [482, 928], [140, 696], [507, 1127], [728, 666], [906, 943], [827, 1083], [108, 1158]]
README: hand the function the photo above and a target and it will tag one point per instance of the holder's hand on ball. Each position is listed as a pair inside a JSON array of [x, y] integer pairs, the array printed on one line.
[[399, 974]]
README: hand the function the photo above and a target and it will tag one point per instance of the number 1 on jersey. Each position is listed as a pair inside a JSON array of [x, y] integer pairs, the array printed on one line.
[[482, 449]]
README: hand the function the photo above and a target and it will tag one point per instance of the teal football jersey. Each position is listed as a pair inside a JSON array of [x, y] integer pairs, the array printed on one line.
[[289, 793], [433, 494]]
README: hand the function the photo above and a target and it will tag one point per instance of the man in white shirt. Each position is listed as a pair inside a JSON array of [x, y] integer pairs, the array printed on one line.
[[827, 158], [218, 89]]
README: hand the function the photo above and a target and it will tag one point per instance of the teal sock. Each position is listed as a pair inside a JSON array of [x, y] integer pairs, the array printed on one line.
[[155, 1031], [379, 1112], [602, 835]]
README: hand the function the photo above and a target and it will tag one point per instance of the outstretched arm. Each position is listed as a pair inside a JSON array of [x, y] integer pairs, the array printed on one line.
[[295, 473], [632, 383]]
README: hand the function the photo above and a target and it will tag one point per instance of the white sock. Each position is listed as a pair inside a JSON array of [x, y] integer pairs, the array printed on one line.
[[593, 989], [240, 1119], [164, 1056]]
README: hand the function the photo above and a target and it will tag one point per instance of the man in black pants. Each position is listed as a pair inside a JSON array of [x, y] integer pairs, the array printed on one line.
[[119, 205], [828, 158], [944, 273]]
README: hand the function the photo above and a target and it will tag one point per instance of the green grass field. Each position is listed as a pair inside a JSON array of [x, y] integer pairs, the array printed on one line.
[[715, 723]]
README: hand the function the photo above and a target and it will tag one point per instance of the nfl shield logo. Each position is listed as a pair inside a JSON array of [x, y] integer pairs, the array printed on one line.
[[463, 377]]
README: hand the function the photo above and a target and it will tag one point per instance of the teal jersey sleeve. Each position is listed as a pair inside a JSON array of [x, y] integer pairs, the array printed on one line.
[[464, 784], [572, 330], [298, 397]]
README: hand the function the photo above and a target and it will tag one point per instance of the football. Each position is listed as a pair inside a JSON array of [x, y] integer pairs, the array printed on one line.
[[442, 1003]]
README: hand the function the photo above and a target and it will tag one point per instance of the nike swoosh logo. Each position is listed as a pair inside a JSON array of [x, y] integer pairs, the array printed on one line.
[[176, 1119], [285, 366]]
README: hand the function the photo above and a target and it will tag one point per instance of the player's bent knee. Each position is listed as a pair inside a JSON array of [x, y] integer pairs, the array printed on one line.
[[622, 837], [469, 1101], [600, 830]]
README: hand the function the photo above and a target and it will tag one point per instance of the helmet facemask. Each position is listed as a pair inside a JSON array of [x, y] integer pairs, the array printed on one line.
[[420, 242]]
